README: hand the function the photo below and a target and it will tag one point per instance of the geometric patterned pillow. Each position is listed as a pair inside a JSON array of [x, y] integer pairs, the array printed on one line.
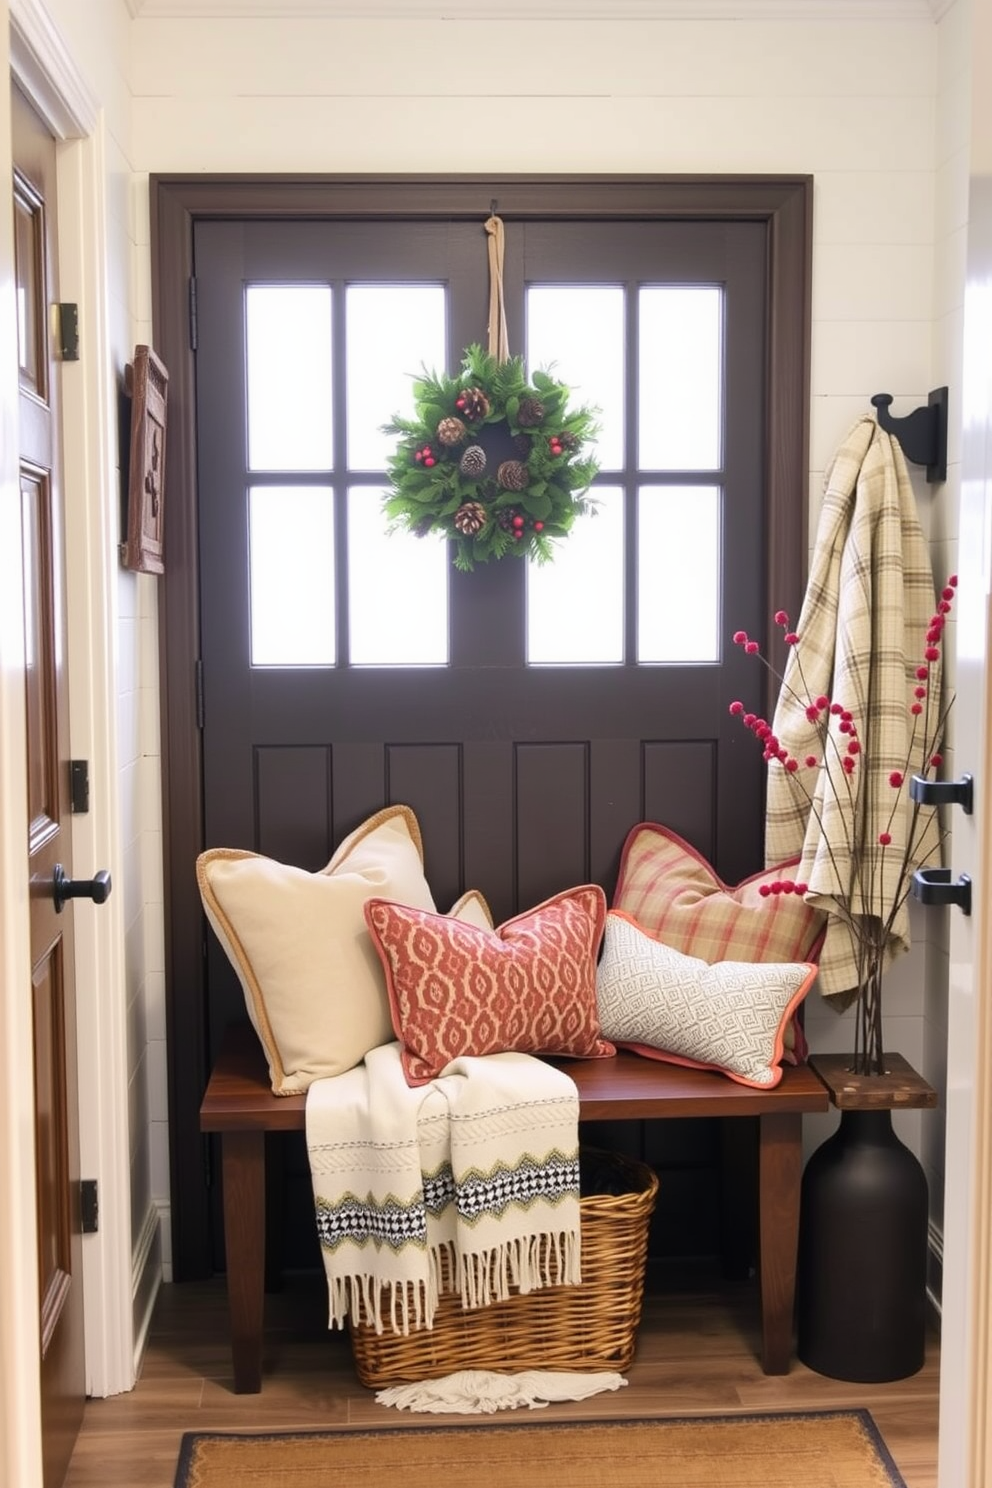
[[730, 1016], [674, 894], [528, 987]]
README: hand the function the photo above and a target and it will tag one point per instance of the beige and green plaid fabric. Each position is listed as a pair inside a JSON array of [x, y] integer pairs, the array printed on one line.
[[862, 634]]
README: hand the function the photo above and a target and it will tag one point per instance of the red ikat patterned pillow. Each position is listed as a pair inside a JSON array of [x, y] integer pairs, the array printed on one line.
[[528, 987]]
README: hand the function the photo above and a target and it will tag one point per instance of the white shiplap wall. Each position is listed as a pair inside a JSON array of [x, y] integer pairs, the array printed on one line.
[[854, 103]]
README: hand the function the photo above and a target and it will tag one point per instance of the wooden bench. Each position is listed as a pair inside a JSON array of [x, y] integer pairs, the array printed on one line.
[[239, 1104]]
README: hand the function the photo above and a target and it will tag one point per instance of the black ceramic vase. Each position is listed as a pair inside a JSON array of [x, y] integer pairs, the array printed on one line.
[[863, 1254]]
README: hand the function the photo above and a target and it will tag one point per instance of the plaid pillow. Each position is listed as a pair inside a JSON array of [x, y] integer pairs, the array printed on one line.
[[672, 892]]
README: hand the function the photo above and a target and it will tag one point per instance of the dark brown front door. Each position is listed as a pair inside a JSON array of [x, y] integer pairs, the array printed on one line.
[[52, 989], [525, 778]]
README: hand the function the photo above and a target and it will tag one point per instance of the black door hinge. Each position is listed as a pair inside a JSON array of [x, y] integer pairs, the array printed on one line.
[[79, 786], [89, 1206], [199, 693], [192, 314], [68, 318]]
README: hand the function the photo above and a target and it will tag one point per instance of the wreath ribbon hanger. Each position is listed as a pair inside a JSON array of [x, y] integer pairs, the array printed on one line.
[[493, 459], [499, 341]]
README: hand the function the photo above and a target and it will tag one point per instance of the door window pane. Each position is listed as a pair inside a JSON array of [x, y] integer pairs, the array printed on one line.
[[291, 575], [397, 589], [576, 332], [575, 603], [288, 334], [394, 332], [678, 573], [680, 368]]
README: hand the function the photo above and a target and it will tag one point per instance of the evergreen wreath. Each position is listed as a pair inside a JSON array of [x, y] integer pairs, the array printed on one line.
[[493, 460]]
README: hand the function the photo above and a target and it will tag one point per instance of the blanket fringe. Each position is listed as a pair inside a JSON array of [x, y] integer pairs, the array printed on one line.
[[522, 1265], [485, 1391]]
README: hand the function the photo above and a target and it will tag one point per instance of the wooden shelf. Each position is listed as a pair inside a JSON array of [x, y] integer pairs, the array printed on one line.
[[899, 1089]]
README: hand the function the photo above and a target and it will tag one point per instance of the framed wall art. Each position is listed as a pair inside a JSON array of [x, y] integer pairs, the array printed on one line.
[[146, 383]]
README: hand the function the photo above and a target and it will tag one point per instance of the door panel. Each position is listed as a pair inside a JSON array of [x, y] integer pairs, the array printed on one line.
[[367, 718], [52, 989], [525, 779]]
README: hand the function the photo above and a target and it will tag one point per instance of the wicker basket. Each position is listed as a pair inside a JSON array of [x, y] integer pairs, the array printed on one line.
[[587, 1327]]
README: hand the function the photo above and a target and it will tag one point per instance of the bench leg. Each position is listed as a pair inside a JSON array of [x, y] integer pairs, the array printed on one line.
[[243, 1169], [780, 1161]]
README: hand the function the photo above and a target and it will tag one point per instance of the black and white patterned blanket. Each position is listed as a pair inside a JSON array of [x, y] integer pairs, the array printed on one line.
[[469, 1182]]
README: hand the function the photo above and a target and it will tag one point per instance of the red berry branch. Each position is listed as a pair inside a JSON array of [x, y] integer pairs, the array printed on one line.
[[836, 773]]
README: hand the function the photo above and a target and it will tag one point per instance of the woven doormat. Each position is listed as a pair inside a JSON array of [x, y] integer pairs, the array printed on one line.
[[808, 1449]]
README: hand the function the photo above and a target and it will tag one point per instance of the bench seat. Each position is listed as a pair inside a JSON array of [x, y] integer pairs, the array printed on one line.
[[239, 1105]]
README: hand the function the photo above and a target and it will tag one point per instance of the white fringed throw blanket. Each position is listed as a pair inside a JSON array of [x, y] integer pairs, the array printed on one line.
[[478, 1168]]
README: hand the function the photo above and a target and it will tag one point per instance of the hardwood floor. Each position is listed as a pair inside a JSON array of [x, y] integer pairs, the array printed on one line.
[[697, 1352]]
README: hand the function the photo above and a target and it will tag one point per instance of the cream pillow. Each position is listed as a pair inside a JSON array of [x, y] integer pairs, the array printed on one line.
[[312, 982], [472, 909]]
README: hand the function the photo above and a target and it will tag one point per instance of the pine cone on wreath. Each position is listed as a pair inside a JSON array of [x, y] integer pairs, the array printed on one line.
[[451, 431], [505, 517], [568, 441], [530, 412], [523, 444], [470, 518], [473, 404], [473, 461], [513, 475]]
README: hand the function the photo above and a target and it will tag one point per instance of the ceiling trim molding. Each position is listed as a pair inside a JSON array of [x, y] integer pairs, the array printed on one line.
[[45, 70], [536, 10]]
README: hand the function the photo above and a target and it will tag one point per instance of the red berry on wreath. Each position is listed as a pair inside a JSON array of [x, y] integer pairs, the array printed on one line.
[[518, 521], [538, 526]]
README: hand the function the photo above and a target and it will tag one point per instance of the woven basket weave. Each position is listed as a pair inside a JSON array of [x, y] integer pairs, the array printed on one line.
[[587, 1327]]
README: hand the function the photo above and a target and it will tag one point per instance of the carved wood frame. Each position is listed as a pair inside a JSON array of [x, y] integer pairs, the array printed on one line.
[[146, 383]]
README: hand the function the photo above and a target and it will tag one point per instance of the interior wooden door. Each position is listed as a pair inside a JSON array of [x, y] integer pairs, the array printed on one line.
[[52, 987]]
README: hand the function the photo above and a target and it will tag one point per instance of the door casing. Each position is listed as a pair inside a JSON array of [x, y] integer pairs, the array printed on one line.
[[783, 204], [46, 71]]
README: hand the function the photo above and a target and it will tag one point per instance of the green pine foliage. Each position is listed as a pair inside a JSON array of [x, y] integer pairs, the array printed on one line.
[[429, 492]]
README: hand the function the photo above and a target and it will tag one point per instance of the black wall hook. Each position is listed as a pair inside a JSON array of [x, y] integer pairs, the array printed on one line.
[[922, 433], [958, 792], [933, 886]]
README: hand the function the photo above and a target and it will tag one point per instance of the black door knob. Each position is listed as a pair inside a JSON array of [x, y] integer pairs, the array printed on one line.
[[96, 888]]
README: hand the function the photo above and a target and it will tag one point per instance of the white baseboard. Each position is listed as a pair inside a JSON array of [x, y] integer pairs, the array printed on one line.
[[146, 1275]]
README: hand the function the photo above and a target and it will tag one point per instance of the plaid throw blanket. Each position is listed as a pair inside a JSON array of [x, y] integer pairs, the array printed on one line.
[[862, 634], [473, 1177]]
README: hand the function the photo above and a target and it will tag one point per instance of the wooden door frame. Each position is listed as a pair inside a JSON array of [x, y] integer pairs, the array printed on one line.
[[47, 73], [783, 203]]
